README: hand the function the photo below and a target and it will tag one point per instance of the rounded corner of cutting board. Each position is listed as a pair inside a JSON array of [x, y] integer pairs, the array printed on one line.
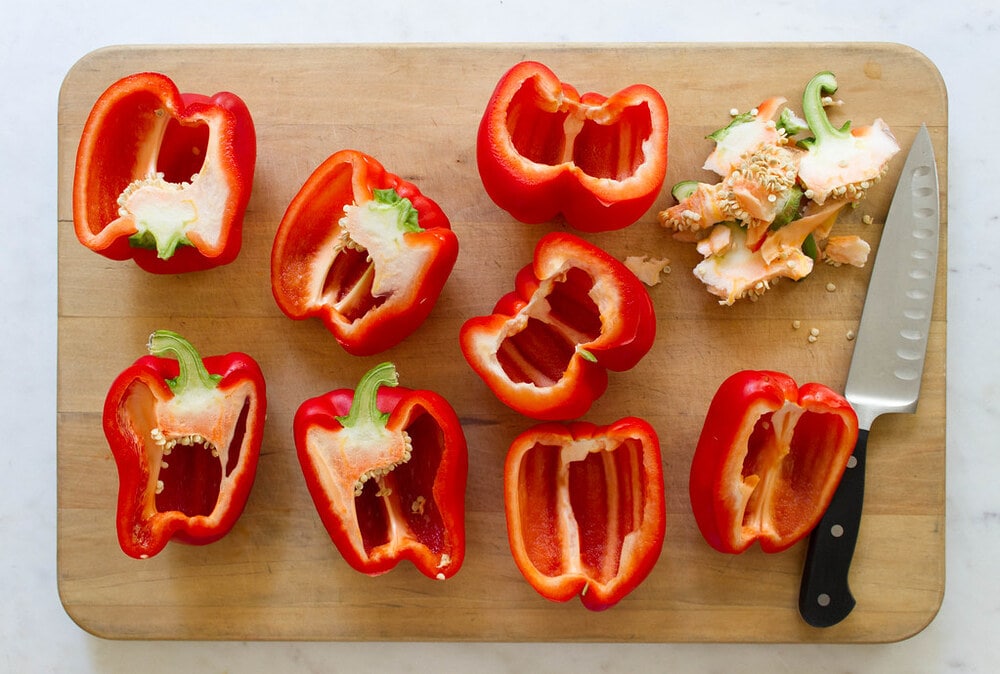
[[82, 618]]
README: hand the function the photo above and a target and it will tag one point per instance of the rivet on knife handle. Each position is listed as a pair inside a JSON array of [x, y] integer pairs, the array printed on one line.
[[825, 596]]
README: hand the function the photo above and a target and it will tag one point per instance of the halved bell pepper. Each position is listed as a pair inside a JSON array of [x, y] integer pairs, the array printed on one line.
[[164, 177], [386, 467], [574, 313], [769, 460], [186, 435], [364, 250], [544, 150], [585, 508]]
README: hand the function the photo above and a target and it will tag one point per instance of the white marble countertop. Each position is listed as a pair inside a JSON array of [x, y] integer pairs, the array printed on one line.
[[40, 42]]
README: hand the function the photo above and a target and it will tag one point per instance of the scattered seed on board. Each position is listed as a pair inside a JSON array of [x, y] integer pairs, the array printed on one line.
[[830, 287]]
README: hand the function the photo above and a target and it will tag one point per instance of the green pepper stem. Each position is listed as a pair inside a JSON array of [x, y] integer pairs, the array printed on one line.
[[407, 217], [815, 112], [364, 406], [191, 370]]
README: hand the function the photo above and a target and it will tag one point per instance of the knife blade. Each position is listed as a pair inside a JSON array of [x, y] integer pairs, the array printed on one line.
[[885, 372]]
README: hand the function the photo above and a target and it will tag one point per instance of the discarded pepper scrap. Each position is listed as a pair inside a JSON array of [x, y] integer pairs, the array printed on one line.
[[771, 215]]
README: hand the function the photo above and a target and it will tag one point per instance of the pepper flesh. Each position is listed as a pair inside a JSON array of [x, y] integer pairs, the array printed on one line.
[[363, 250], [186, 434], [769, 460], [841, 163], [163, 177], [771, 214], [386, 467], [574, 313], [585, 508], [544, 150]]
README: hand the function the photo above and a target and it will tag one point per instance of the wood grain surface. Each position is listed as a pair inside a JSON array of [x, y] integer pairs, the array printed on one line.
[[416, 109]]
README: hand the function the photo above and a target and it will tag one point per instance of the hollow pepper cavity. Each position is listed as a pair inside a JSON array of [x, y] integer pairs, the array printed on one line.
[[163, 177], [769, 459], [186, 434], [543, 150], [574, 313], [364, 250], [386, 467], [585, 508]]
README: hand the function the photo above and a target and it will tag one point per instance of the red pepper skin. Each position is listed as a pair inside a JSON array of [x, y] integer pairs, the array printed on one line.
[[410, 503], [140, 126], [574, 313], [162, 400], [585, 508], [311, 276], [543, 149], [769, 460]]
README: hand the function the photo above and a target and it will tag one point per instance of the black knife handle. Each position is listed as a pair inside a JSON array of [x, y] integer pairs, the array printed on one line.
[[824, 596]]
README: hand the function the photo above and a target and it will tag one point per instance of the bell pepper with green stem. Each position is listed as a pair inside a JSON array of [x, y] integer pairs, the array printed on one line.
[[364, 250], [163, 177], [585, 508], [186, 434], [574, 313], [769, 459], [543, 150], [386, 467]]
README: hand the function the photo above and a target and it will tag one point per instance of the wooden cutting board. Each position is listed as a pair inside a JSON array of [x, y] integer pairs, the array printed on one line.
[[416, 109]]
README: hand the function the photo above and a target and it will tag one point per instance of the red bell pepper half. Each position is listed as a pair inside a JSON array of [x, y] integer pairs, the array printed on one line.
[[364, 250], [585, 508], [386, 467], [164, 177], [574, 313], [543, 149], [186, 435], [769, 460]]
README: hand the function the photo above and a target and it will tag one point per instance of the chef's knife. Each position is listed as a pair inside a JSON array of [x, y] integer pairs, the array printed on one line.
[[885, 372]]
